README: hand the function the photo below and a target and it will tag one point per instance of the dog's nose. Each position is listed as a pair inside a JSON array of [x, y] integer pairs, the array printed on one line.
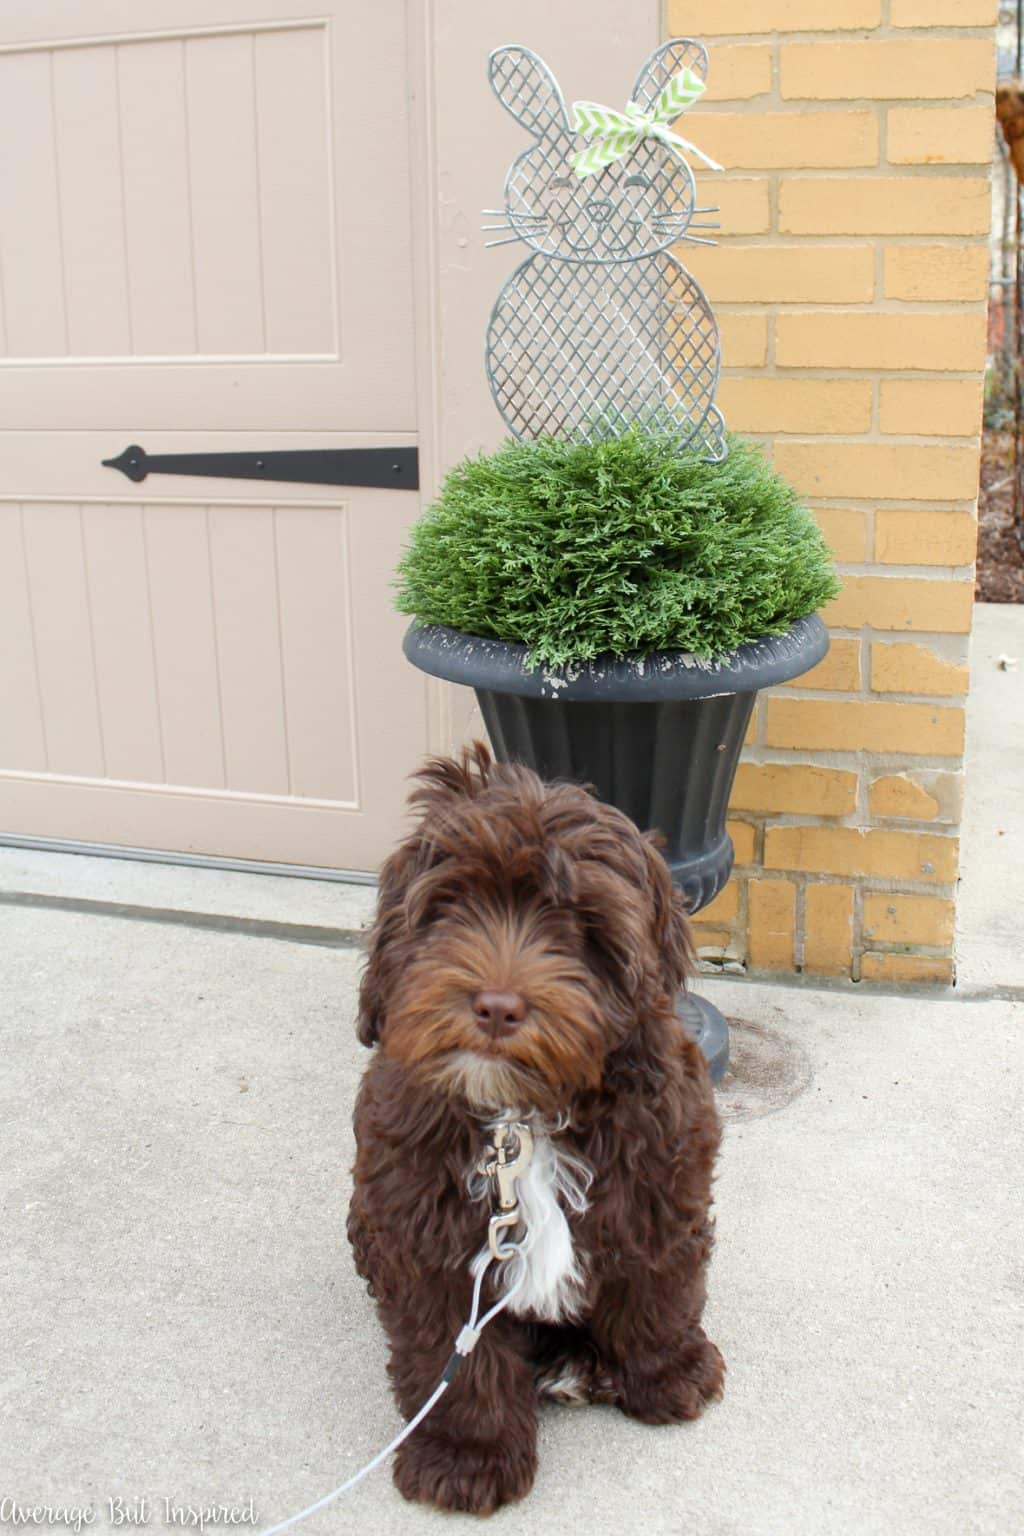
[[499, 1013]]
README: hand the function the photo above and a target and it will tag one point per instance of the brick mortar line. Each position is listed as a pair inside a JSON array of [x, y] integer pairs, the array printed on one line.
[[857, 309], [840, 240], [911, 636], [817, 821], [879, 33], [907, 762], [870, 534], [857, 932], [862, 792], [930, 991], [883, 569], [875, 170], [887, 504], [911, 309], [759, 728], [836, 35], [789, 819], [886, 763], [756, 239], [838, 106], [763, 239], [849, 823], [856, 371], [927, 951], [882, 440], [901, 572], [780, 105], [896, 886], [865, 694]]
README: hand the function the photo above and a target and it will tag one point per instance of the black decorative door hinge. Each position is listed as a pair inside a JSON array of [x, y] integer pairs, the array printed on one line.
[[397, 468]]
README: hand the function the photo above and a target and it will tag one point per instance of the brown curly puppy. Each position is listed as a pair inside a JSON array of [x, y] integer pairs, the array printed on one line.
[[528, 947]]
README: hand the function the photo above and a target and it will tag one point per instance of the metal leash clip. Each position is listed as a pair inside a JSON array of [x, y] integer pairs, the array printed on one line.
[[506, 1160]]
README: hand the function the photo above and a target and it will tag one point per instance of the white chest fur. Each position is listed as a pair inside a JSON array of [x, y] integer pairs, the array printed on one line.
[[554, 1185]]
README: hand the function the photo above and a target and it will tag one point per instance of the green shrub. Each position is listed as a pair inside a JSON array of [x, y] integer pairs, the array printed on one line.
[[622, 546]]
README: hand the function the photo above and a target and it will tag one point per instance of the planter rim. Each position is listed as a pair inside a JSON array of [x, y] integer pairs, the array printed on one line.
[[481, 662]]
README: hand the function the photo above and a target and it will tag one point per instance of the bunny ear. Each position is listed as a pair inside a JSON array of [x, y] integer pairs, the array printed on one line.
[[526, 87], [666, 61]]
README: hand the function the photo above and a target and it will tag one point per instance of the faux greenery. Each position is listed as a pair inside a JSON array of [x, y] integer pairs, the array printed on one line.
[[623, 546]]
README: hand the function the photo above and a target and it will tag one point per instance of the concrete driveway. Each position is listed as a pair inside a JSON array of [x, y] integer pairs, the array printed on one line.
[[181, 1316]]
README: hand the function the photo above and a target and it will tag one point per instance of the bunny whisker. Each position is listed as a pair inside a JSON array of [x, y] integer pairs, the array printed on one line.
[[508, 240]]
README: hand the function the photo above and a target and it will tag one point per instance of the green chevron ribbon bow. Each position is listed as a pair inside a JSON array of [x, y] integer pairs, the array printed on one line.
[[622, 131]]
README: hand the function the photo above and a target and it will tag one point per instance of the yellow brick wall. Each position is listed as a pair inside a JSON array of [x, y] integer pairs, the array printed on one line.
[[850, 288]]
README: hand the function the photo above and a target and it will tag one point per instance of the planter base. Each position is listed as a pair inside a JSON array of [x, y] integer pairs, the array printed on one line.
[[707, 1024]]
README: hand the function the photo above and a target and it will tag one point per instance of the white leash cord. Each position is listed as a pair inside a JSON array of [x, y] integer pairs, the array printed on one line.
[[464, 1345]]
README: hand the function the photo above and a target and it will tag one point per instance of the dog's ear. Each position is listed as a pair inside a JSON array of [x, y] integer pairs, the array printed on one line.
[[615, 919], [384, 948], [368, 1021], [671, 924]]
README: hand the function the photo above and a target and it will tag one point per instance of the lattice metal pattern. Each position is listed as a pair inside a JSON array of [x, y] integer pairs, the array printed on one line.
[[599, 327]]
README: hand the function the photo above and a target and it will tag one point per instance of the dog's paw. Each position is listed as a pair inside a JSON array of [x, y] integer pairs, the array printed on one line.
[[686, 1379], [468, 1476]]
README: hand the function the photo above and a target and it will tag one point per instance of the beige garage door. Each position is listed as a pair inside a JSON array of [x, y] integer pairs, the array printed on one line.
[[204, 246]]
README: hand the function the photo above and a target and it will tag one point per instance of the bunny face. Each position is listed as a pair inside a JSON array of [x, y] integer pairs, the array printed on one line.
[[635, 207], [631, 209]]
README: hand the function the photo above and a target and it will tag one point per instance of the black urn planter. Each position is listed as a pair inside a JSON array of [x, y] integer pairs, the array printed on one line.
[[658, 737]]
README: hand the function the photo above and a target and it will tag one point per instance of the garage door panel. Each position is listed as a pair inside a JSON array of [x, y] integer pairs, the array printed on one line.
[[184, 643], [314, 589], [62, 636], [293, 132], [247, 619], [22, 742], [388, 692], [224, 194], [117, 581], [157, 212], [87, 133], [30, 241], [213, 647], [357, 716]]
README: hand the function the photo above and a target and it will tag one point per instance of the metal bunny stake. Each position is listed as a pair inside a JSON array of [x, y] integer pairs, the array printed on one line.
[[599, 327]]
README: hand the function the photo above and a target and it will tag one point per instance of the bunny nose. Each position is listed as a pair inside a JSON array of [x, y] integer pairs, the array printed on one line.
[[600, 209], [499, 1014]]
